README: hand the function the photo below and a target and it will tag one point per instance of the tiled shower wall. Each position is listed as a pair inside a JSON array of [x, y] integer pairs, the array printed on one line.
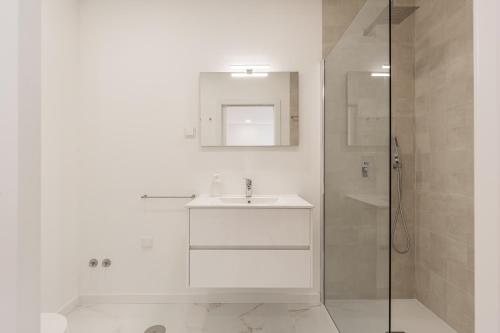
[[356, 231], [403, 127], [432, 110], [432, 65], [337, 16], [444, 159]]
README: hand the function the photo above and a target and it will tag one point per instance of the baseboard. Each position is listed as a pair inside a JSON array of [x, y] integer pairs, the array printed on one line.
[[70, 306], [307, 298]]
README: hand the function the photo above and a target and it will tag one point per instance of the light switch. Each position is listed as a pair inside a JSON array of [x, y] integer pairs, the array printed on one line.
[[190, 132]]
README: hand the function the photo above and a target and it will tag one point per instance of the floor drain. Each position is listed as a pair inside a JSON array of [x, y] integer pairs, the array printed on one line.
[[156, 329]]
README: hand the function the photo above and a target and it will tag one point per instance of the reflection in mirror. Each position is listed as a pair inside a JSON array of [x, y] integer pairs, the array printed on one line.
[[250, 125], [249, 111], [367, 109]]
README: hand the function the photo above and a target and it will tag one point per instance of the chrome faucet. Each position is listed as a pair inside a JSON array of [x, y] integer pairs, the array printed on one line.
[[248, 187]]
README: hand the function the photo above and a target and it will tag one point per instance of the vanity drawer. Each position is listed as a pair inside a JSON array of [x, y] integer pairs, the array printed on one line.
[[273, 228], [250, 269]]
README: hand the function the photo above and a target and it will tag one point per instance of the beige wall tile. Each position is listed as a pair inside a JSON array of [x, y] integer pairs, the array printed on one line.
[[337, 15], [459, 309], [444, 159], [458, 275], [432, 110]]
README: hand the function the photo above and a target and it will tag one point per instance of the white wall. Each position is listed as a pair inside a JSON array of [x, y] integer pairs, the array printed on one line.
[[59, 108], [487, 164], [20, 165], [8, 169], [140, 62]]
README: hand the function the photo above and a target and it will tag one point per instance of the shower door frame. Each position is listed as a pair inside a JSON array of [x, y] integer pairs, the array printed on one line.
[[323, 169]]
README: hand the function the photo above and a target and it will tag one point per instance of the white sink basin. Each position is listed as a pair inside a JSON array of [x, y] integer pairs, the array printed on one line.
[[246, 201], [257, 201]]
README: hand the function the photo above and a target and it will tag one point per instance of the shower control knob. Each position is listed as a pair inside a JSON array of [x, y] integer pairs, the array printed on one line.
[[364, 169], [106, 263], [93, 262]]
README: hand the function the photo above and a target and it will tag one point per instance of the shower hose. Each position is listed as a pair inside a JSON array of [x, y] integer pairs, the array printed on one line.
[[399, 218]]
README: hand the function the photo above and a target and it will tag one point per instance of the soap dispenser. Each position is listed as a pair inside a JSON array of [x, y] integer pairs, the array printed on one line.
[[216, 185]]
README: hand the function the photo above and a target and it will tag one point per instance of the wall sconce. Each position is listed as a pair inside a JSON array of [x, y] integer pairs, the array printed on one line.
[[244, 71]]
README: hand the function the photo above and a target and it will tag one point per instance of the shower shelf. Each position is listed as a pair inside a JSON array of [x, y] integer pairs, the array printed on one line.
[[379, 201]]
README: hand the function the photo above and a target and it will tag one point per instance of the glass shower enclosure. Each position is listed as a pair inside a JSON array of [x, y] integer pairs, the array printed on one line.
[[357, 168]]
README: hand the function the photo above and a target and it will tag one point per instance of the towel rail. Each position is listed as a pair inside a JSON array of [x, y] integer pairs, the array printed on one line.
[[145, 196]]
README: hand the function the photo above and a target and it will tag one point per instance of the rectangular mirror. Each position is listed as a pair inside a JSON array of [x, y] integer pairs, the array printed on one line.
[[367, 109], [249, 110]]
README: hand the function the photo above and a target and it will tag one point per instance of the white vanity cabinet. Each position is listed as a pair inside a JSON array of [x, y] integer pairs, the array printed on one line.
[[247, 245]]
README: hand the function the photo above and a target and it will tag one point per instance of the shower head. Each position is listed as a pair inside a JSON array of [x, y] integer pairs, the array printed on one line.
[[398, 15]]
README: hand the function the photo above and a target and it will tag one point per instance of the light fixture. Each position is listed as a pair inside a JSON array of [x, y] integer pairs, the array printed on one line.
[[245, 68], [248, 121], [380, 74], [245, 71], [249, 74], [386, 66]]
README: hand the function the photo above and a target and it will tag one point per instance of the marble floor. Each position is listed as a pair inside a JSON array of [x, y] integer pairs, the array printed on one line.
[[408, 315], [198, 318]]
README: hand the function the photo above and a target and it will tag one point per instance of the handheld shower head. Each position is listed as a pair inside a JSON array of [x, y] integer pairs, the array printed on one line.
[[399, 219], [396, 161]]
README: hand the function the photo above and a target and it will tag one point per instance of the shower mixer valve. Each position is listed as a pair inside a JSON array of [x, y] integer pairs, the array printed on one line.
[[364, 169]]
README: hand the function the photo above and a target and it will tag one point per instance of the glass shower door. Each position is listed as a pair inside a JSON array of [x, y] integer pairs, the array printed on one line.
[[357, 173]]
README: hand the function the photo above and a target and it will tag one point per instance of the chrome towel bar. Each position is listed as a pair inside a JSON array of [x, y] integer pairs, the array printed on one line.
[[145, 196]]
